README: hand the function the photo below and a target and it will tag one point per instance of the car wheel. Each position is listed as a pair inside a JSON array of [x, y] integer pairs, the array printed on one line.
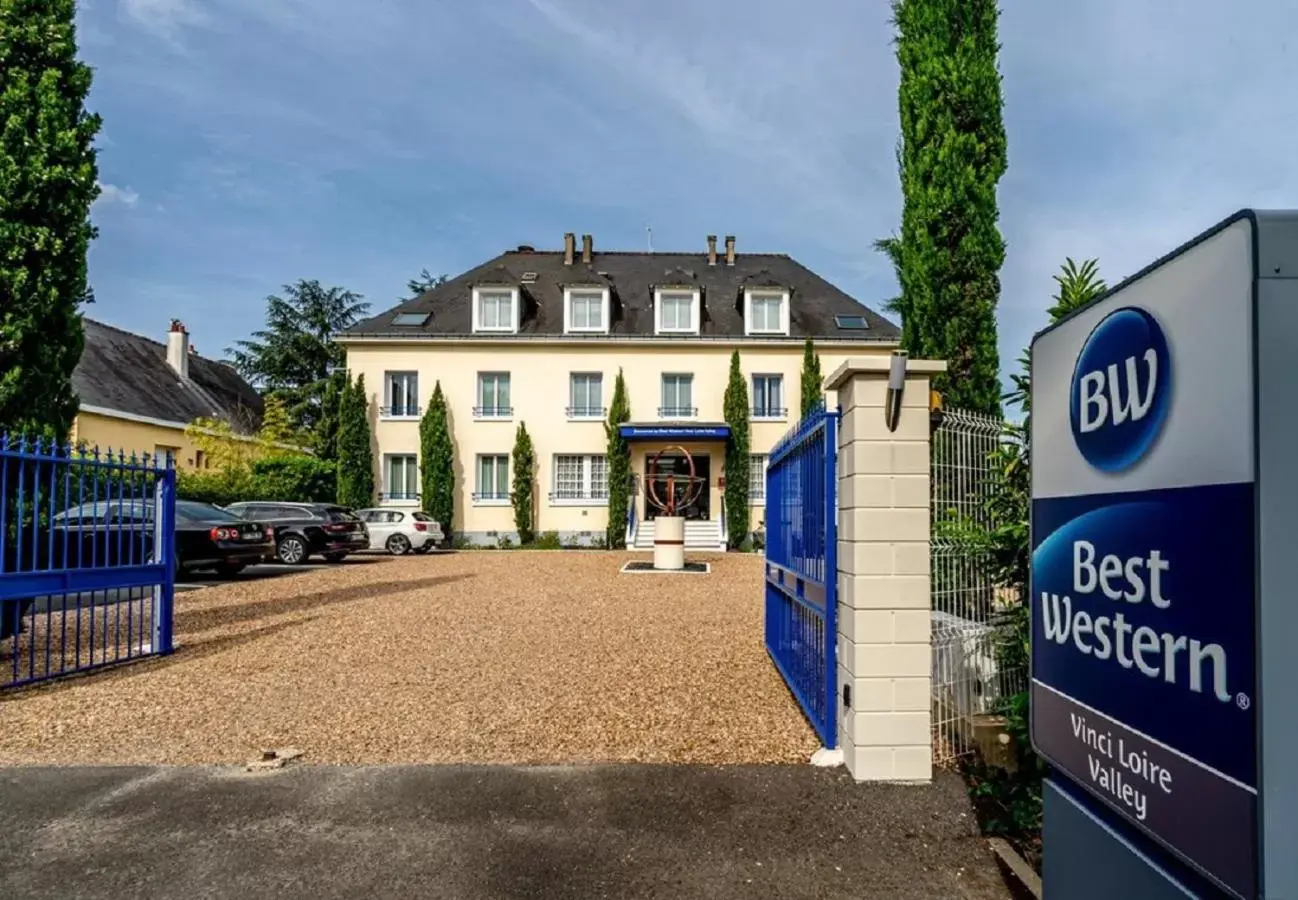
[[398, 545], [335, 557], [229, 570], [291, 550]]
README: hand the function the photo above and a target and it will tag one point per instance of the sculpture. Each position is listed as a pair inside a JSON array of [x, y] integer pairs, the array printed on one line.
[[682, 491]]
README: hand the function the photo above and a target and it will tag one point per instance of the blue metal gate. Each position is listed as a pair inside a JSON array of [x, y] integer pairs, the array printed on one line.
[[87, 549], [802, 566]]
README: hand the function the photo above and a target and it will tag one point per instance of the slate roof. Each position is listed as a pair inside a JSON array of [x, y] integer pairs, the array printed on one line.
[[129, 373], [814, 302]]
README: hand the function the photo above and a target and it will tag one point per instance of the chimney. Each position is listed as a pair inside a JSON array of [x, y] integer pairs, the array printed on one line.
[[712, 249], [587, 248], [178, 349], [730, 249], [569, 247]]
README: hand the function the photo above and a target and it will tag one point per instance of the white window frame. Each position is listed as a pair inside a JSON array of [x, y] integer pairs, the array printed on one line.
[[478, 494], [480, 413], [782, 326], [695, 302], [691, 411], [570, 294], [587, 497], [412, 380], [573, 413], [754, 461], [783, 411], [511, 327], [388, 498]]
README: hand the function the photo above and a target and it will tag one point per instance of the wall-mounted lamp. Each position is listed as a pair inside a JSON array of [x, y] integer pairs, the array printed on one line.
[[896, 389]]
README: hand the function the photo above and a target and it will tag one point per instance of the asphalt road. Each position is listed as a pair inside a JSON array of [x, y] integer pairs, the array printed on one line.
[[486, 833]]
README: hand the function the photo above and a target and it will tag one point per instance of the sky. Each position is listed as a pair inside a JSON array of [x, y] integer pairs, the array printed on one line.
[[251, 143]]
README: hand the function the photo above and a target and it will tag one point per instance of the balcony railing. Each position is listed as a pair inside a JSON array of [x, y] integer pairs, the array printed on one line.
[[400, 496], [578, 497], [493, 496], [493, 412], [770, 412], [409, 411], [677, 412], [586, 412]]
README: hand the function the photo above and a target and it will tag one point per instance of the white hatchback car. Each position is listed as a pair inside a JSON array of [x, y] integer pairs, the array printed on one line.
[[400, 531]]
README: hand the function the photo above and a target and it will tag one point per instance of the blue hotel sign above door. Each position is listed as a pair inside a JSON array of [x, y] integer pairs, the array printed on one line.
[[1144, 579]]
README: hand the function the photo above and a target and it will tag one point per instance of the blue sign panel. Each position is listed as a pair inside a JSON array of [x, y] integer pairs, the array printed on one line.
[[1143, 588], [675, 432]]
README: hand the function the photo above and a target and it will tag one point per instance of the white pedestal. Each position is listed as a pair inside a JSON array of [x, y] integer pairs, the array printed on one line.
[[669, 543]]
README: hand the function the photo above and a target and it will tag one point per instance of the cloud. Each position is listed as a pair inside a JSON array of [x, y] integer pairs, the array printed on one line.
[[111, 193], [164, 18], [360, 142]]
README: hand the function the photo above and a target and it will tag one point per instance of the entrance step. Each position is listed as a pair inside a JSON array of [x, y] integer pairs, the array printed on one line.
[[700, 534]]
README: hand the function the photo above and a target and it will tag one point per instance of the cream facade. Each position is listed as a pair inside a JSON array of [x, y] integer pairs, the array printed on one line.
[[125, 433], [562, 389]]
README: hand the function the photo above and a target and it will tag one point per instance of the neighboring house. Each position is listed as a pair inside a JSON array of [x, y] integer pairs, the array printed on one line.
[[538, 337], [139, 395]]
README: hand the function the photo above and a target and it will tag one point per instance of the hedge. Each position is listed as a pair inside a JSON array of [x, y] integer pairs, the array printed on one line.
[[298, 479]]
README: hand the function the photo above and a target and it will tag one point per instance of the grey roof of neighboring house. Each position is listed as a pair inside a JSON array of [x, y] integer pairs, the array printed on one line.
[[129, 373], [814, 302]]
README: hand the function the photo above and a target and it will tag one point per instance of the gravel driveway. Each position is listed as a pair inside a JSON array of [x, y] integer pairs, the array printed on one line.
[[508, 656]]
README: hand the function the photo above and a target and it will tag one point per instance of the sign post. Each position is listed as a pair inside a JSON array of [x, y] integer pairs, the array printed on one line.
[[1164, 606]]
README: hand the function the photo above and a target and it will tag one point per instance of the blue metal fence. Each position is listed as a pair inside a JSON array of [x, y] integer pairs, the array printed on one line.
[[802, 566], [87, 550]]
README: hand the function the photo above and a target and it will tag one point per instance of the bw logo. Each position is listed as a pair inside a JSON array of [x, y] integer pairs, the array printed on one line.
[[1120, 391]]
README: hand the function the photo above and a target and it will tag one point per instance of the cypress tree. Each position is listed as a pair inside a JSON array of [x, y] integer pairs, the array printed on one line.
[[437, 458], [951, 156], [326, 432], [812, 392], [48, 181], [618, 454], [524, 464], [355, 456], [738, 461]]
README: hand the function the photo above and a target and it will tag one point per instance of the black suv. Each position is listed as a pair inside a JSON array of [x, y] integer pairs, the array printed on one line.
[[302, 529]]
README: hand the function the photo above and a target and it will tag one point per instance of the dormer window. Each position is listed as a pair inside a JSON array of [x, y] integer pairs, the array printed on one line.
[[766, 312], [585, 310], [676, 311], [495, 309]]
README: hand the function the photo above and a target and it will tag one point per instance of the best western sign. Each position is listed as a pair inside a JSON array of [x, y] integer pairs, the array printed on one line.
[[1146, 552]]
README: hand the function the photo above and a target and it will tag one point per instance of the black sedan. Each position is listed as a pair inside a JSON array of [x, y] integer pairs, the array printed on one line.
[[305, 529], [121, 532]]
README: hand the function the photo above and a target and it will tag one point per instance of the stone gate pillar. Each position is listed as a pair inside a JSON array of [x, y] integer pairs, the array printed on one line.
[[884, 573]]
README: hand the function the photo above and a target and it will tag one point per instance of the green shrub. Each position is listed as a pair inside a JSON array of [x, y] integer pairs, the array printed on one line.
[[548, 540], [302, 479], [297, 479], [220, 487]]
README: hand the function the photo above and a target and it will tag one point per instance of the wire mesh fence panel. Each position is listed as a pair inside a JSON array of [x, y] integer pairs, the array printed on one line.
[[970, 676]]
